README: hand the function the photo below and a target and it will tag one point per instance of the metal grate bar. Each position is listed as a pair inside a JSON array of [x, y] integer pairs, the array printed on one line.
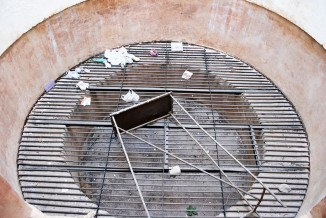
[[68, 164]]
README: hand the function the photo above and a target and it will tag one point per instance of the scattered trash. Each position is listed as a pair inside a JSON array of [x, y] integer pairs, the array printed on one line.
[[99, 60], [187, 75], [78, 69], [175, 171], [72, 74], [131, 96], [191, 211], [82, 86], [284, 188], [120, 57], [81, 70], [49, 86], [107, 64], [153, 53], [86, 101], [75, 73], [176, 46]]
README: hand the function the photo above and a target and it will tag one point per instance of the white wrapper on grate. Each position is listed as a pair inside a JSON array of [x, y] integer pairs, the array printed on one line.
[[175, 171], [131, 96]]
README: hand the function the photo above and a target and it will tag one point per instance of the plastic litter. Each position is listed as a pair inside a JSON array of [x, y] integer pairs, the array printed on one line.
[[175, 171], [187, 75], [120, 57], [176, 46], [82, 86], [107, 64], [79, 69], [86, 101], [49, 86], [284, 188], [75, 73], [153, 53], [72, 74], [99, 60], [131, 96], [103, 61], [82, 70]]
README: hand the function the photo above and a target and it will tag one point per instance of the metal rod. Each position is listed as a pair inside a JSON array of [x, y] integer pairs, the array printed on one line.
[[130, 167], [186, 162], [218, 125], [220, 169], [255, 209], [176, 90], [255, 147], [234, 158], [152, 121]]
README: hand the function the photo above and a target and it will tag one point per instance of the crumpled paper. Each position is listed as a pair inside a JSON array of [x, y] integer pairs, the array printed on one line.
[[175, 170], [120, 57], [82, 86], [187, 75], [86, 101], [72, 74], [153, 53]]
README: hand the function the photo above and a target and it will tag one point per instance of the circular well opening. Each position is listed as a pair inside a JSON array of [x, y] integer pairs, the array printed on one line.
[[70, 160]]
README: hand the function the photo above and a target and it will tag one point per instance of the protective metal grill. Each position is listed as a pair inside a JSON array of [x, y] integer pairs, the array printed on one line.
[[71, 162]]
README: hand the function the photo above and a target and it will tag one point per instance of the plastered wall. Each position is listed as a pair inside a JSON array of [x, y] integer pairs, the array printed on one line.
[[308, 15], [17, 17]]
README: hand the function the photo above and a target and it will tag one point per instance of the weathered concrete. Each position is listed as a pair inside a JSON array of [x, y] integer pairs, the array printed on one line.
[[11, 205], [308, 15], [274, 46], [17, 17]]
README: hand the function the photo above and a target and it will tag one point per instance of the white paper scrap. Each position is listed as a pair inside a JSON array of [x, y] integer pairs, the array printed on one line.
[[187, 75], [82, 86], [176, 46], [72, 74], [175, 171], [86, 101]]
